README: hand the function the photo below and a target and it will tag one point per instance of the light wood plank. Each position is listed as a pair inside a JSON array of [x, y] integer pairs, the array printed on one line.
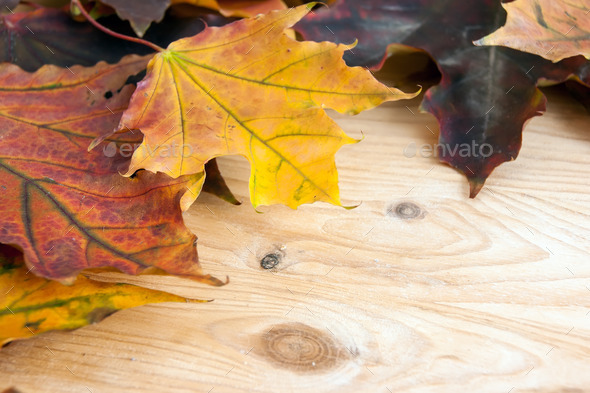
[[419, 289]]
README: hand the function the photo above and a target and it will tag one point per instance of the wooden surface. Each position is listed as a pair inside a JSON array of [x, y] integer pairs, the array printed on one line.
[[419, 289]]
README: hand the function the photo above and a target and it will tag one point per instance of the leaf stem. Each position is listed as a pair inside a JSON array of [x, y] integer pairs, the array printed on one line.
[[111, 32]]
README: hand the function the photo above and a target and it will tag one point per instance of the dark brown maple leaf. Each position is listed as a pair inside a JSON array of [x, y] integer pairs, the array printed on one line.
[[50, 36], [486, 93]]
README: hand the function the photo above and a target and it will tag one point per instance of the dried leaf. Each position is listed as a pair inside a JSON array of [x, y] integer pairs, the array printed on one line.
[[249, 89], [580, 92], [8, 5], [139, 13], [68, 209], [237, 8], [33, 305], [50, 36], [553, 29], [142, 13], [486, 94]]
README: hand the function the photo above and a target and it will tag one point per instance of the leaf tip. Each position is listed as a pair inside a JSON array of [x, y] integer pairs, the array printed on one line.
[[475, 186], [480, 42], [97, 141], [353, 206], [311, 5]]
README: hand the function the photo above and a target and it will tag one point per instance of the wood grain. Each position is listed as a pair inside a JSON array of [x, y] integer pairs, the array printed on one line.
[[418, 289]]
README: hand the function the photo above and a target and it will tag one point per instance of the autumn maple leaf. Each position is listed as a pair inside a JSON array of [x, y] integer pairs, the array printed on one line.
[[142, 13], [35, 305], [31, 39], [249, 89], [68, 209], [553, 29], [486, 94]]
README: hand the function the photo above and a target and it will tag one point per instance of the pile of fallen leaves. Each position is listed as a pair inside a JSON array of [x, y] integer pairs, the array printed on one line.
[[105, 139]]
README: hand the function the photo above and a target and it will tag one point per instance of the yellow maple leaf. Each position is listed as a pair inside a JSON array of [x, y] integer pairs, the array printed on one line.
[[249, 89], [32, 304]]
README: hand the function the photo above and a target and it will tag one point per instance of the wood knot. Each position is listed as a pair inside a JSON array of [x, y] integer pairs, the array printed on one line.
[[301, 348], [407, 211], [270, 260]]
